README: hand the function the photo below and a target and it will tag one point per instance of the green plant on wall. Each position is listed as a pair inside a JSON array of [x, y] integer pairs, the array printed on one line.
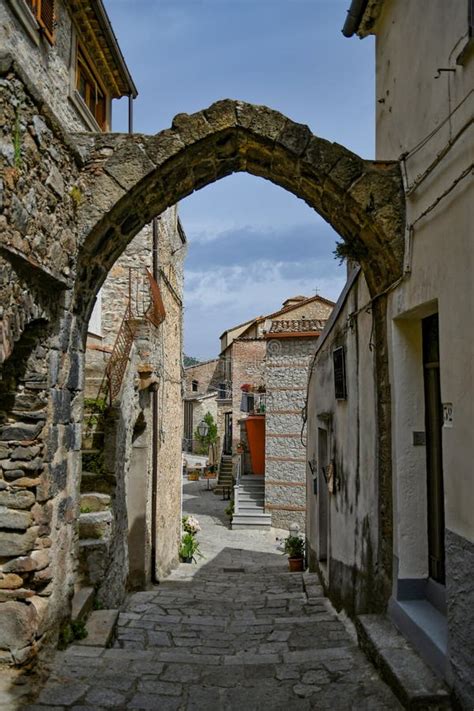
[[94, 410], [76, 196], [211, 438]]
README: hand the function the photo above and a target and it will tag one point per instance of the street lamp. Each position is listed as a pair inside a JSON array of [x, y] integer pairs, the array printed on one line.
[[203, 428]]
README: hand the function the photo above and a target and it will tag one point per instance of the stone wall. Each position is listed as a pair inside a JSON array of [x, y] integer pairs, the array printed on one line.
[[208, 376], [39, 171], [286, 375], [48, 66], [160, 350], [40, 394]]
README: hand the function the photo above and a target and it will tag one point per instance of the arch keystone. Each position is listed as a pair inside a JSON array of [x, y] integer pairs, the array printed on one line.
[[221, 115], [260, 120]]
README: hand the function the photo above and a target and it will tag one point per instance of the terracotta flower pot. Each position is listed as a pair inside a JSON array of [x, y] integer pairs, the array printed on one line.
[[296, 565]]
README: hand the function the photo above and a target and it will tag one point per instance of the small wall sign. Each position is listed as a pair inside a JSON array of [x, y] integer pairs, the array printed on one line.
[[419, 439], [447, 414]]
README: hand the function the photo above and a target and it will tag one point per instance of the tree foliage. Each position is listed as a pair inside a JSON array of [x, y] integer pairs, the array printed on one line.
[[205, 442]]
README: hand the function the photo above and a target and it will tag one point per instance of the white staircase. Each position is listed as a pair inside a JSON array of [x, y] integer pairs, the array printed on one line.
[[249, 501]]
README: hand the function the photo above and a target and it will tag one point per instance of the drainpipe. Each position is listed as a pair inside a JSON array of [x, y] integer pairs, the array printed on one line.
[[354, 17], [155, 425], [130, 113]]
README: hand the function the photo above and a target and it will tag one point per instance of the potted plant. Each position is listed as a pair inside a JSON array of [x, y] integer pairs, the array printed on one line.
[[294, 549], [189, 549], [191, 525]]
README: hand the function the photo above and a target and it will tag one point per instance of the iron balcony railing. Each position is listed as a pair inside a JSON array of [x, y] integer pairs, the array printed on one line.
[[144, 303]]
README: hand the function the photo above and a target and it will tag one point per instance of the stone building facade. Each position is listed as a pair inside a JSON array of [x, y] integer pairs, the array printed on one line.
[[131, 543], [290, 347], [141, 431], [396, 531], [244, 357], [202, 393]]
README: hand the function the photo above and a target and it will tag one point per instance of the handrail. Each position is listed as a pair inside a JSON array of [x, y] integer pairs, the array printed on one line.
[[238, 474]]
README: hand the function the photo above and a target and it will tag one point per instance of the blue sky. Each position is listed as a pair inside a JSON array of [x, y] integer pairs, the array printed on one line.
[[251, 244]]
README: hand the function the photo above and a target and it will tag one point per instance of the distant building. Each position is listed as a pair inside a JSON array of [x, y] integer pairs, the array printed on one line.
[[259, 382]]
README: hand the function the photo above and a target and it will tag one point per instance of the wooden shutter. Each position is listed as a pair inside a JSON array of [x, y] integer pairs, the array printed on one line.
[[45, 16]]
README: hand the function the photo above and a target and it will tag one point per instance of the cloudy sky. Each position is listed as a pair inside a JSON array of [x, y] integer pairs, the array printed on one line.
[[251, 244]]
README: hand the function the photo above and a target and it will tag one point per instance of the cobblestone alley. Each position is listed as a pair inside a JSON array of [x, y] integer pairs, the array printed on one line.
[[235, 631]]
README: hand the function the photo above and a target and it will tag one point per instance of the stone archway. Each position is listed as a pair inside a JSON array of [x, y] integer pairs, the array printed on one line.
[[127, 180], [102, 190]]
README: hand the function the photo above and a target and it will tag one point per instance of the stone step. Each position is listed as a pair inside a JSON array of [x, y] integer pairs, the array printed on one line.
[[100, 629], [251, 489], [248, 480], [227, 481], [253, 501], [251, 520], [92, 482], [94, 501], [95, 525], [82, 603], [227, 478], [93, 559], [411, 679], [250, 505], [219, 488]]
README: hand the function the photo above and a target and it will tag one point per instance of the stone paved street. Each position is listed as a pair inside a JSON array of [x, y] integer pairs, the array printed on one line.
[[236, 631]]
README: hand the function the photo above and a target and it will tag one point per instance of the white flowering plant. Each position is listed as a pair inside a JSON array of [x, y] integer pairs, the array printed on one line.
[[191, 525]]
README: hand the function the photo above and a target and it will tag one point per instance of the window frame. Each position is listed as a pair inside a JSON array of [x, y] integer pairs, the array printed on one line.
[[85, 68], [29, 12], [80, 54], [25, 15]]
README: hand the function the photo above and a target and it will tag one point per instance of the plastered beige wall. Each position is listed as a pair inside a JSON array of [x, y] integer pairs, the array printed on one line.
[[351, 436], [428, 36]]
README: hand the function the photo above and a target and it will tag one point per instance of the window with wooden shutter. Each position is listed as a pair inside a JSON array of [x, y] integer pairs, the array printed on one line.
[[46, 18], [91, 92], [43, 10]]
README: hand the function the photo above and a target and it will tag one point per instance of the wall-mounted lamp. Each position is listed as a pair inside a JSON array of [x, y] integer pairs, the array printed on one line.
[[203, 429]]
